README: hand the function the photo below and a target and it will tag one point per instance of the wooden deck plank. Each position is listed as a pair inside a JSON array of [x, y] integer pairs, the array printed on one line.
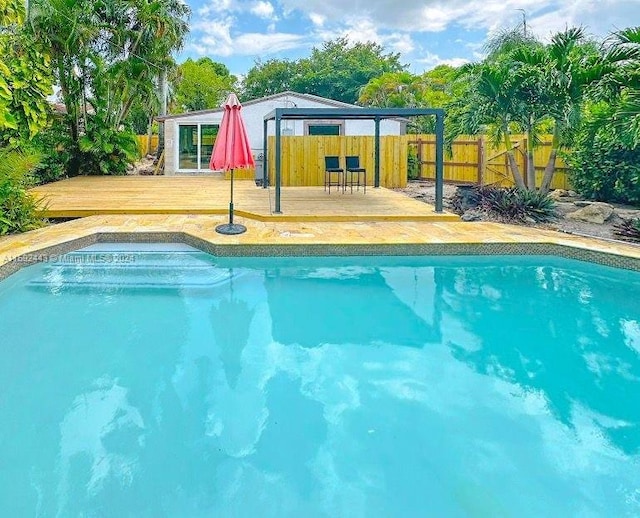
[[140, 195]]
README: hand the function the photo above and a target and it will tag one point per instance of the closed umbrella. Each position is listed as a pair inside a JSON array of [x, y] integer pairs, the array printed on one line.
[[231, 151]]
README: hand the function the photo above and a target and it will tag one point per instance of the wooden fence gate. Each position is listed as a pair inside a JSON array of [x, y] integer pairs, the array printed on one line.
[[475, 160]]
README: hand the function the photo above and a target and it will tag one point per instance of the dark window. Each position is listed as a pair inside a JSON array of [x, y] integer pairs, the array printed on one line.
[[324, 129]]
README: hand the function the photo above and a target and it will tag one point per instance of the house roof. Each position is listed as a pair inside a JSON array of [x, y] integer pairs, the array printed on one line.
[[310, 97]]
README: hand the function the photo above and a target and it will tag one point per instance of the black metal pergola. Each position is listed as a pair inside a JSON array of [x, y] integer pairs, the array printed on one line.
[[375, 114]]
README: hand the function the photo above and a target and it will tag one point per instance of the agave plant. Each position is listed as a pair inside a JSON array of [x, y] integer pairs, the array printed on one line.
[[628, 229]]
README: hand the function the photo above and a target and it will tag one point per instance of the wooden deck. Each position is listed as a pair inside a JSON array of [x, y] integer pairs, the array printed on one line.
[[89, 196]]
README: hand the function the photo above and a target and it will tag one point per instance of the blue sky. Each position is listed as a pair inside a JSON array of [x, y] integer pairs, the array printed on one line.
[[425, 32]]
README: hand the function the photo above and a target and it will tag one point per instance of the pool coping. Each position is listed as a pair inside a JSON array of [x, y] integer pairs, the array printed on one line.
[[540, 248]]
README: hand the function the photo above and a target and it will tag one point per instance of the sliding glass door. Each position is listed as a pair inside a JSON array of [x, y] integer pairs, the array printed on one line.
[[195, 145]]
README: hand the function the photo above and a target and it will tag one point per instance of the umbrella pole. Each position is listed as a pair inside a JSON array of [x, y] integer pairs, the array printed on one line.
[[231, 202], [231, 228]]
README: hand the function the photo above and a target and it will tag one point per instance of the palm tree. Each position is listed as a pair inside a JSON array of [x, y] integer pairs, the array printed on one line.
[[490, 104], [623, 53], [572, 66], [391, 90], [524, 84]]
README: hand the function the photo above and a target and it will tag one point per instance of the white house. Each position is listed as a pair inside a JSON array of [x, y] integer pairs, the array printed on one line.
[[189, 137]]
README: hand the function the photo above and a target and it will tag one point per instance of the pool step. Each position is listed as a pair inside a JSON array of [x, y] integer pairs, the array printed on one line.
[[102, 274]]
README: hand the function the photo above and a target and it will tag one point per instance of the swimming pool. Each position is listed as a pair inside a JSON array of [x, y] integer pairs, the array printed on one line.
[[161, 381]]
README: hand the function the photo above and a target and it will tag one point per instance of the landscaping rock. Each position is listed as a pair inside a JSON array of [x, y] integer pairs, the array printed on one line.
[[471, 215], [558, 194], [595, 212]]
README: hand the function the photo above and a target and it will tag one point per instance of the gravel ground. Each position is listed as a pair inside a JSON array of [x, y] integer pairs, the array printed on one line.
[[424, 190]]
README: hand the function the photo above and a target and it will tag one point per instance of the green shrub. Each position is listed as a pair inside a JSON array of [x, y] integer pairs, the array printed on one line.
[[413, 165], [18, 211], [105, 151], [54, 145], [604, 170]]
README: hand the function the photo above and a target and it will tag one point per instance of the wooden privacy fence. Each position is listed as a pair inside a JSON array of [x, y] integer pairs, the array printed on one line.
[[146, 145], [303, 158], [474, 159]]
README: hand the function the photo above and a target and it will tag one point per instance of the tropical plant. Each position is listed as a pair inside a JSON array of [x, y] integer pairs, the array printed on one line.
[[528, 86], [572, 67], [413, 164], [491, 105], [25, 78], [53, 145], [105, 150], [107, 56], [604, 158], [18, 210], [392, 90], [622, 91]]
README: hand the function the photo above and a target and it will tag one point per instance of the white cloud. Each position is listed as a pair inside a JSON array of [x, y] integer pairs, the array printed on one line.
[[215, 7], [601, 16], [317, 19], [215, 39], [263, 10], [362, 30]]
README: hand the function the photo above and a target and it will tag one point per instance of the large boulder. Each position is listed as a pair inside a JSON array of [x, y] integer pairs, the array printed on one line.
[[595, 212]]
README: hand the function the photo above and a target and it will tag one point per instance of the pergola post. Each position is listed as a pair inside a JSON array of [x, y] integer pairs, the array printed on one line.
[[265, 161], [439, 160], [278, 160], [376, 160]]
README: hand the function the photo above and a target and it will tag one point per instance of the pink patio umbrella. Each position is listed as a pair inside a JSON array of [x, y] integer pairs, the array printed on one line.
[[231, 151]]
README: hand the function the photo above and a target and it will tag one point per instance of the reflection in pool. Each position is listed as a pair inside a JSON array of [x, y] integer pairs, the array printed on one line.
[[172, 383]]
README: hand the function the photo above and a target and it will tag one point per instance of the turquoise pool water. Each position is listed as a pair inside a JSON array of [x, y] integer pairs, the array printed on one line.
[[172, 383]]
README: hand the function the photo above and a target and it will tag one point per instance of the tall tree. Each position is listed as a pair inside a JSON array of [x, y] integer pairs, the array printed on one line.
[[202, 84], [572, 67], [337, 70], [269, 77], [435, 88], [490, 104]]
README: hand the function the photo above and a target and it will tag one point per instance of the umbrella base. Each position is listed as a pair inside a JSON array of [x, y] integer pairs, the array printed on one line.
[[231, 229]]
